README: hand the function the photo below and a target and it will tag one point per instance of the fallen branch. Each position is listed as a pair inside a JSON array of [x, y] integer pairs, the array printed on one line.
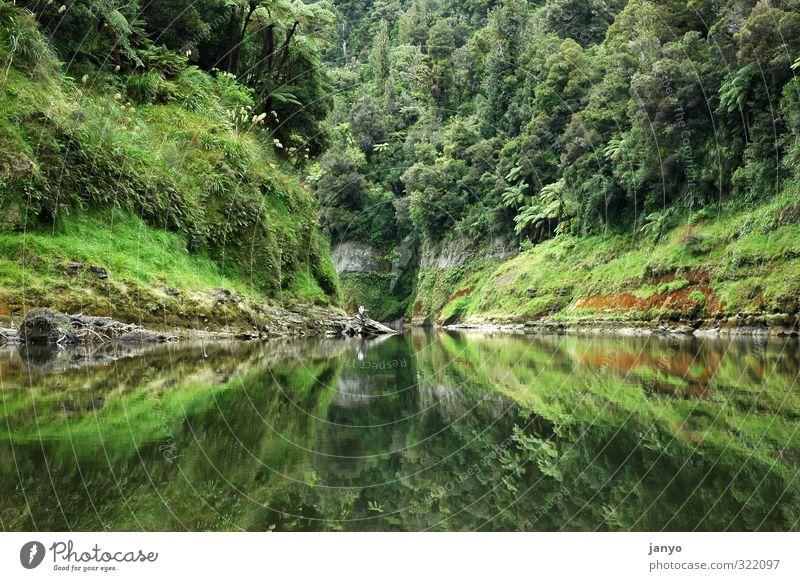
[[47, 327]]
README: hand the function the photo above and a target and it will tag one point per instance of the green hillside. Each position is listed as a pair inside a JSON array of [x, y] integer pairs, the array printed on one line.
[[156, 171]]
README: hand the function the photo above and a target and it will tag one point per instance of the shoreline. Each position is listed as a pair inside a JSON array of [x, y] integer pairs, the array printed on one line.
[[49, 327], [736, 326]]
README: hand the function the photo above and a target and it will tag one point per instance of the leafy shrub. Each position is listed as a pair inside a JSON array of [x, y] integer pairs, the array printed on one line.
[[163, 61], [697, 297], [148, 88], [231, 93], [195, 92]]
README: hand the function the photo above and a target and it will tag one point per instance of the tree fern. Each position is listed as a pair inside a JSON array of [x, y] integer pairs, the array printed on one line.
[[655, 224], [734, 90]]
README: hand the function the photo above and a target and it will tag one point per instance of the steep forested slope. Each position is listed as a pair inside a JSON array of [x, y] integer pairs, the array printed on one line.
[[462, 126], [489, 158], [135, 184]]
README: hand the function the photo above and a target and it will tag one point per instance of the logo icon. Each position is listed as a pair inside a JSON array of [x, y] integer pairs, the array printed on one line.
[[31, 554]]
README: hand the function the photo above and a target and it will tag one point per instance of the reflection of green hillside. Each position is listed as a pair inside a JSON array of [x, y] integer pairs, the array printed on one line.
[[653, 425], [168, 454], [439, 431]]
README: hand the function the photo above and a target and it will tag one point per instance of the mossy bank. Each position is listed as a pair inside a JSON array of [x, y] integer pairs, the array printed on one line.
[[154, 195], [731, 270]]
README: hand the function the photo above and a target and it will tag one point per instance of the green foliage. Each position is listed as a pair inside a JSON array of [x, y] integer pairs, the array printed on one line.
[[163, 61], [188, 156], [656, 223], [569, 117], [122, 243], [676, 285], [97, 31], [551, 206], [438, 120], [749, 260], [373, 290], [148, 88], [23, 46], [698, 297]]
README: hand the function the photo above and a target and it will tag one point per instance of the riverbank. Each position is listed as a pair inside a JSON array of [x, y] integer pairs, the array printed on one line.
[[179, 211], [117, 266], [735, 327], [79, 329], [732, 272]]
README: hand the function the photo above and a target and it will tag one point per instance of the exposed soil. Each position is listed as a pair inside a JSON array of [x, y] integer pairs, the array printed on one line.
[[677, 301], [464, 292]]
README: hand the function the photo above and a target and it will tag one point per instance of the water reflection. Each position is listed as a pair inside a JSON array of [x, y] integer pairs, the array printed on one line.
[[421, 431]]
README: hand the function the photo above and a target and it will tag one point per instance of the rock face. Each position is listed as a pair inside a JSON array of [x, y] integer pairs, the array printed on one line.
[[369, 275], [455, 253], [47, 327], [352, 257]]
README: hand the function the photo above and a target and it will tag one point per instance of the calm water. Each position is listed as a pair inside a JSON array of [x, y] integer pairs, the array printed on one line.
[[416, 432]]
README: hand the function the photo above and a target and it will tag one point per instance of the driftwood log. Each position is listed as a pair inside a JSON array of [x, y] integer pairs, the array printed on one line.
[[7, 336], [48, 327], [362, 326]]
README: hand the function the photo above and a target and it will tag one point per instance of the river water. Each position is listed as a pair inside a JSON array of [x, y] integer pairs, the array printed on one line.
[[421, 431]]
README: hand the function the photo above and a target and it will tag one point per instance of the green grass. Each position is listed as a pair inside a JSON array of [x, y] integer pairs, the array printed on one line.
[[672, 286], [144, 265], [130, 249], [749, 257], [79, 163]]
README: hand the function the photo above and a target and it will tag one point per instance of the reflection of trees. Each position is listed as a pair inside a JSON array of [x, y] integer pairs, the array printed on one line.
[[440, 431], [630, 459], [178, 450]]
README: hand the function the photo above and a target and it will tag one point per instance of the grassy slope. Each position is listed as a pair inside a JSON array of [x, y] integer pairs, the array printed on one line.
[[144, 265], [735, 263], [130, 186]]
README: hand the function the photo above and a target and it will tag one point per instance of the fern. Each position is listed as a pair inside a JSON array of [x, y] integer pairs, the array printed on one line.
[[515, 195], [655, 224], [734, 90], [550, 204]]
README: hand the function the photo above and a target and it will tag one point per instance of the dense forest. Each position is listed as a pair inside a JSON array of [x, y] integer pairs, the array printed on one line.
[[532, 119], [574, 126]]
